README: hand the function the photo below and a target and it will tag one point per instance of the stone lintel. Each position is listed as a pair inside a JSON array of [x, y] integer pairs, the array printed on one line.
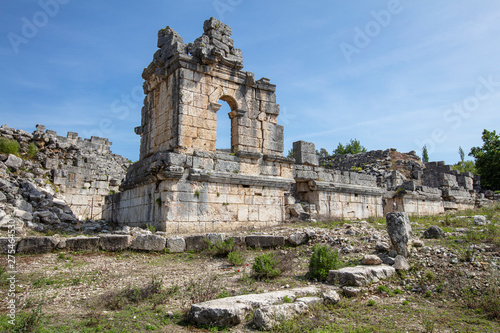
[[315, 185], [279, 158], [238, 179], [248, 154]]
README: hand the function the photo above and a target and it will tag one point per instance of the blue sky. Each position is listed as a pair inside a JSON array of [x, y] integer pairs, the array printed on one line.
[[393, 74]]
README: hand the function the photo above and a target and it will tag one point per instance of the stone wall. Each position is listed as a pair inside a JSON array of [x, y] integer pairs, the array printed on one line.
[[203, 192]]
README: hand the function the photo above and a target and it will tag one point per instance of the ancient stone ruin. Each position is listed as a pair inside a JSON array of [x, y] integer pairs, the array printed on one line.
[[183, 184]]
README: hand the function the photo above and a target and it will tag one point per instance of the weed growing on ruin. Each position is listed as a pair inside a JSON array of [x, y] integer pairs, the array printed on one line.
[[221, 248], [197, 194], [265, 267], [323, 259], [32, 150], [9, 146]]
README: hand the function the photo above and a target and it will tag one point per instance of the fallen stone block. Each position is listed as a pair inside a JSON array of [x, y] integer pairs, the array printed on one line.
[[232, 311], [264, 241], [360, 275], [13, 162], [114, 242], [82, 243], [196, 243], [310, 300], [268, 317], [34, 244], [148, 243], [176, 244]]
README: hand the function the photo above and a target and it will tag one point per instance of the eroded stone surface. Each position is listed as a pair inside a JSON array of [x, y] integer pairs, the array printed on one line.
[[360, 275]]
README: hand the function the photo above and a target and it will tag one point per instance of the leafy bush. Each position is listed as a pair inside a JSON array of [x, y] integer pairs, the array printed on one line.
[[265, 267], [235, 258], [323, 259], [9, 146]]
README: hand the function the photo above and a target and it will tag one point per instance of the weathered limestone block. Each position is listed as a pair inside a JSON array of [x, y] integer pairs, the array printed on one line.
[[305, 153], [176, 244], [114, 242], [7, 244], [82, 244], [148, 243], [13, 162], [331, 297], [360, 275], [268, 317], [34, 244], [232, 311], [399, 230], [196, 243], [264, 241]]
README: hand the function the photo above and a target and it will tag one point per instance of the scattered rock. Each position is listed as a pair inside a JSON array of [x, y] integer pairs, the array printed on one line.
[[480, 220], [331, 297], [418, 243], [434, 232], [371, 259], [401, 264], [382, 247], [350, 291], [298, 238], [13, 162]]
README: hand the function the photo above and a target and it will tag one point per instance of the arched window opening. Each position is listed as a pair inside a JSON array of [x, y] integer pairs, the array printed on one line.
[[223, 140]]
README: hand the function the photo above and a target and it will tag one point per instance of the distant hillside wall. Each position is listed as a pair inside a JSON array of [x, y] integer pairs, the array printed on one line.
[[84, 171]]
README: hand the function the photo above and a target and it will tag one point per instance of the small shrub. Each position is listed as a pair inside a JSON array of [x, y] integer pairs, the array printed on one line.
[[151, 228], [265, 267], [287, 299], [32, 150], [9, 146], [235, 258], [204, 288], [221, 248], [383, 289], [406, 302], [429, 275], [197, 194], [323, 259], [371, 302]]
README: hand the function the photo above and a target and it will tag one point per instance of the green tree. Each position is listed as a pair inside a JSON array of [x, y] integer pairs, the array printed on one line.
[[353, 147], [322, 153], [425, 154], [488, 160], [463, 165], [290, 153]]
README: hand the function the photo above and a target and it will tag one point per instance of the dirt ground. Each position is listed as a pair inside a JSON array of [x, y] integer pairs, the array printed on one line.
[[90, 292]]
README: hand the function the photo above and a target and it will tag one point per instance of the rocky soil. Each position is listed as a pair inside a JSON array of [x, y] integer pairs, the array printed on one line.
[[441, 290]]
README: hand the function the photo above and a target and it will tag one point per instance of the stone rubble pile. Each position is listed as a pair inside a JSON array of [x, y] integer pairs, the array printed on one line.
[[61, 185]]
